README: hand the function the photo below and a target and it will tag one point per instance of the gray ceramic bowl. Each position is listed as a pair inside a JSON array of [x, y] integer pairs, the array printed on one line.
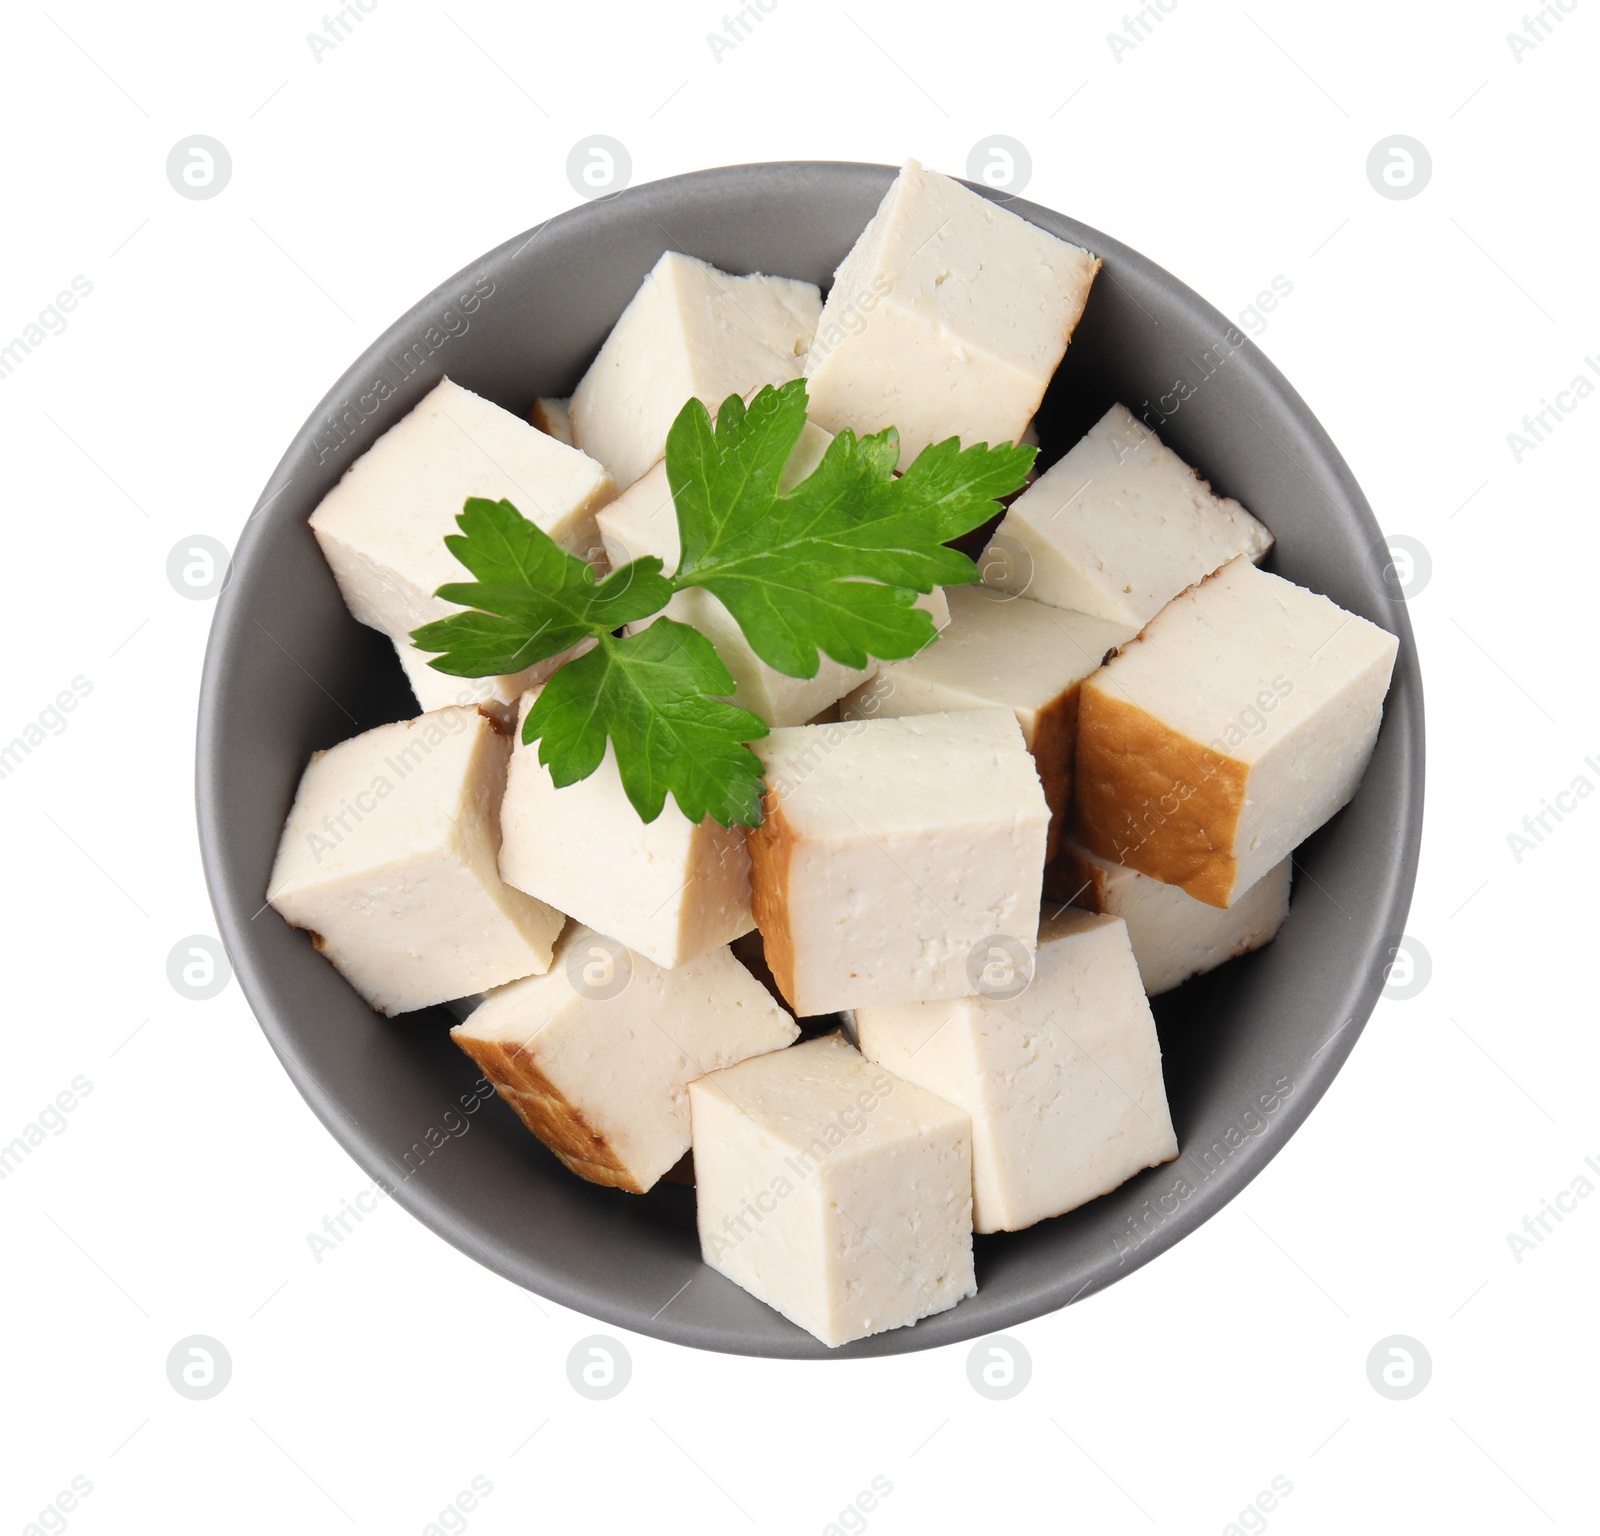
[[1248, 1050]]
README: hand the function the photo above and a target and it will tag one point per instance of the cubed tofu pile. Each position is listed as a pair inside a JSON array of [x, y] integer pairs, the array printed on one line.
[[980, 861]]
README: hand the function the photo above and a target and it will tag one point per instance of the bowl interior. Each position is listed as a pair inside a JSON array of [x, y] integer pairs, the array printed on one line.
[[1247, 1050]]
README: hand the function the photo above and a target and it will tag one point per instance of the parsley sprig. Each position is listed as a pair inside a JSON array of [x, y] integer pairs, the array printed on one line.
[[832, 566]]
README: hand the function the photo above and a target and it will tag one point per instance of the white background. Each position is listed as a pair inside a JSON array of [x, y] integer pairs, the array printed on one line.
[[370, 1388]]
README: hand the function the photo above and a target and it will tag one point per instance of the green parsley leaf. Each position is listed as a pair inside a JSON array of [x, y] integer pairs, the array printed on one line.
[[835, 563], [830, 565], [653, 694], [532, 599]]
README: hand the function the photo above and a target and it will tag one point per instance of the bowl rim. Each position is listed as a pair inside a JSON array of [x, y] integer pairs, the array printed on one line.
[[1404, 715]]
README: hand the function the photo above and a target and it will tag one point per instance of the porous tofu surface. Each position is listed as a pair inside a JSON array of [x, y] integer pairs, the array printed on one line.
[[382, 527], [1240, 634], [1241, 719], [1000, 649], [552, 417], [947, 318], [1174, 936], [996, 649], [1118, 527], [389, 856], [597, 1055], [832, 1190], [690, 332], [669, 889], [1062, 1080], [890, 849]]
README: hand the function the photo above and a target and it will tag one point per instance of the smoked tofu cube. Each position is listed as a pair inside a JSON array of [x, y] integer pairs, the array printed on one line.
[[890, 850], [690, 332], [600, 1073], [833, 1191], [643, 521], [382, 527], [947, 318], [388, 858], [669, 889], [999, 649], [499, 695], [1238, 722], [1062, 1080], [553, 418], [1118, 528], [1174, 936]]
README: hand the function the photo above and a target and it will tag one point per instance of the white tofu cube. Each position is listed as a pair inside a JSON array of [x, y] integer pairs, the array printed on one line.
[[388, 858], [833, 1191], [553, 417], [947, 318], [890, 850], [669, 889], [1062, 1080], [597, 1056], [499, 695], [1174, 936], [382, 527], [1238, 722], [643, 521], [691, 332], [1118, 528], [999, 649]]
